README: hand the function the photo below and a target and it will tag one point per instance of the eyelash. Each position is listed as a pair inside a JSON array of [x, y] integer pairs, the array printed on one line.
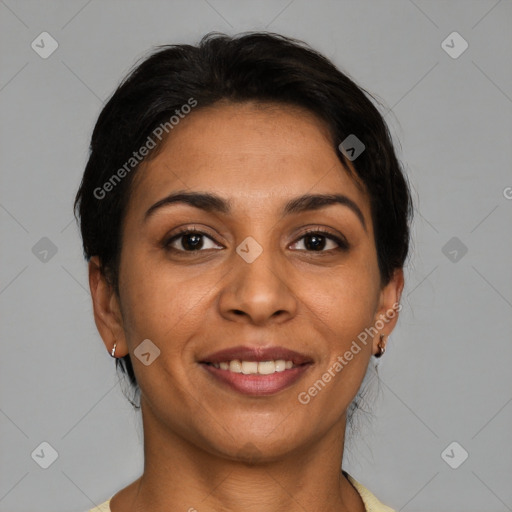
[[342, 243]]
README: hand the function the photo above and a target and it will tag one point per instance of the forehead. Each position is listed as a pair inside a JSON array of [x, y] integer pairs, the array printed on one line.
[[246, 152]]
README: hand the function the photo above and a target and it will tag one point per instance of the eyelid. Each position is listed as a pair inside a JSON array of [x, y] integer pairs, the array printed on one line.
[[184, 230], [337, 237], [327, 233]]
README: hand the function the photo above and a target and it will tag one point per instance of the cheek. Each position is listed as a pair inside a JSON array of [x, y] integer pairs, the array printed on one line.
[[159, 299], [342, 316], [344, 307], [160, 304], [346, 298]]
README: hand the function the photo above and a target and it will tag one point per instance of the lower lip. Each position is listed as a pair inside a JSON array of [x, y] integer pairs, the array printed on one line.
[[257, 385]]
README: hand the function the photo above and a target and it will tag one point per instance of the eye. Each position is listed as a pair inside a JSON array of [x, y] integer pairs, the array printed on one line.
[[316, 241], [191, 241]]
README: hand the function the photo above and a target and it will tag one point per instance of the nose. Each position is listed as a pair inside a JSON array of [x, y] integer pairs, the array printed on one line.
[[260, 291]]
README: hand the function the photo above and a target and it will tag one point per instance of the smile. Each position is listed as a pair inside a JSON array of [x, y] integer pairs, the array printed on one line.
[[256, 371]]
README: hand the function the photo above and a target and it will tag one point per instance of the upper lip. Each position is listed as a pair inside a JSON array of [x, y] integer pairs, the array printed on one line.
[[245, 353]]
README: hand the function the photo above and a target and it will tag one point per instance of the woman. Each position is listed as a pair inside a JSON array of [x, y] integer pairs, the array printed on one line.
[[246, 224]]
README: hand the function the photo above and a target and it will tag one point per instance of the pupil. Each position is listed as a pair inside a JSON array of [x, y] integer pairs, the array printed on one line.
[[316, 244], [192, 241]]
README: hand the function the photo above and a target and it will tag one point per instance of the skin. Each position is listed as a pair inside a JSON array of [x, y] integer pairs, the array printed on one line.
[[208, 447]]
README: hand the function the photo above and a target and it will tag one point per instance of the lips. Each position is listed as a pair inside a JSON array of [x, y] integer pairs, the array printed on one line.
[[259, 354], [256, 384]]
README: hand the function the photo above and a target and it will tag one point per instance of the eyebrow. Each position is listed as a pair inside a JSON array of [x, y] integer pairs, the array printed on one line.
[[213, 203]]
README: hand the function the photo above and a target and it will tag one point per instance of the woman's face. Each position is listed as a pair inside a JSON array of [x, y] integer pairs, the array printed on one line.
[[253, 278]]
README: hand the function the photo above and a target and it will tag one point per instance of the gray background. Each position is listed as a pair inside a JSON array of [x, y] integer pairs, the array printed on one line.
[[447, 374]]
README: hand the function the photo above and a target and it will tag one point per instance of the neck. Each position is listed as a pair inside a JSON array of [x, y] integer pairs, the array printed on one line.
[[179, 475]]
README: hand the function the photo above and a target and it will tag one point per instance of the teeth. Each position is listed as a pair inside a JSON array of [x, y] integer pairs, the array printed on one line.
[[235, 366], [249, 367], [254, 367], [281, 365], [266, 367]]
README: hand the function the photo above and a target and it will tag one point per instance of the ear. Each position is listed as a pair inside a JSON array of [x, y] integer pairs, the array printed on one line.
[[107, 311], [387, 313]]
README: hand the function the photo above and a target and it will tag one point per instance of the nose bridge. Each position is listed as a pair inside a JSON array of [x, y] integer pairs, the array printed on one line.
[[258, 264], [258, 285]]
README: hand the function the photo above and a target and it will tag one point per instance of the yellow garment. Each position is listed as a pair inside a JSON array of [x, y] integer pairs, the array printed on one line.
[[371, 503], [104, 507]]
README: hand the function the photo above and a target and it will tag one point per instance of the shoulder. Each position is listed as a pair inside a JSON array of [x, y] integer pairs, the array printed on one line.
[[371, 503]]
